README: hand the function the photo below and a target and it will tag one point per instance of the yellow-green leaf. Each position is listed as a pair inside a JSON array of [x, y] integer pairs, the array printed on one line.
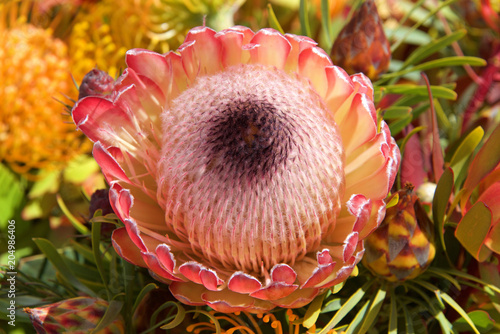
[[473, 229]]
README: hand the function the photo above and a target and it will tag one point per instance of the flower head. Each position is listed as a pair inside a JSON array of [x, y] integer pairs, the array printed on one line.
[[246, 168], [34, 70]]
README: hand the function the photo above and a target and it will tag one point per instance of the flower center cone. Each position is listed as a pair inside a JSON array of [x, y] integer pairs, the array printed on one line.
[[251, 169]]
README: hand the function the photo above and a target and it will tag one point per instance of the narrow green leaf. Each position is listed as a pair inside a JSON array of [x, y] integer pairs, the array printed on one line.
[[393, 314], [358, 319], [53, 256], [313, 311], [439, 63], [325, 21], [273, 20], [459, 310], [332, 305], [469, 277], [145, 290], [179, 317], [375, 306], [473, 229], [408, 320], [395, 112], [77, 224], [304, 19], [408, 136], [398, 125], [112, 312], [346, 308], [444, 275], [465, 150], [419, 23], [96, 242], [425, 51], [439, 203], [405, 89]]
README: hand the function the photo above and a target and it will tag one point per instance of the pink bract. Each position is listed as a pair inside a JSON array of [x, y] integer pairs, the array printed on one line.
[[246, 167]]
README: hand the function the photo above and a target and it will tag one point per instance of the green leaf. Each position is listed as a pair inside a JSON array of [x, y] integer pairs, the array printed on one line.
[[75, 222], [395, 112], [393, 314], [450, 301], [304, 19], [273, 21], [145, 290], [313, 311], [405, 89], [11, 195], [325, 21], [346, 308], [332, 305], [469, 277], [354, 324], [48, 184], [80, 169], [398, 125], [375, 306], [481, 320], [440, 202], [179, 317], [415, 37], [112, 312], [465, 150], [473, 229], [407, 137], [428, 49], [408, 321], [439, 63], [420, 22], [96, 241], [57, 261]]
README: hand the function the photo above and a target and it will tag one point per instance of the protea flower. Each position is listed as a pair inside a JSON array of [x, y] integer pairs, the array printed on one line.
[[33, 70], [246, 168], [361, 45], [75, 315], [403, 246]]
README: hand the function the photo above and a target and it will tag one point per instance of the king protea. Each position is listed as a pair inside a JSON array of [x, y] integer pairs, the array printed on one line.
[[246, 167]]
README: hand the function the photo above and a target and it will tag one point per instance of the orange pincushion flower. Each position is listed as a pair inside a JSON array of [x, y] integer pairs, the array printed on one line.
[[246, 168], [33, 131]]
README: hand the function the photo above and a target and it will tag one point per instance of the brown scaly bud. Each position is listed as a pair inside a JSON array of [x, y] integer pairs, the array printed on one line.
[[403, 246], [96, 82], [361, 45], [75, 315]]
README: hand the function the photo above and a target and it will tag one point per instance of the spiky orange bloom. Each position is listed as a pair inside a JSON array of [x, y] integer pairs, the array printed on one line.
[[33, 71], [246, 168]]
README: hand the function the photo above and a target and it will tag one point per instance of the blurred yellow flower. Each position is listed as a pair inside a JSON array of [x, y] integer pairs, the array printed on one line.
[[34, 69], [104, 31]]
